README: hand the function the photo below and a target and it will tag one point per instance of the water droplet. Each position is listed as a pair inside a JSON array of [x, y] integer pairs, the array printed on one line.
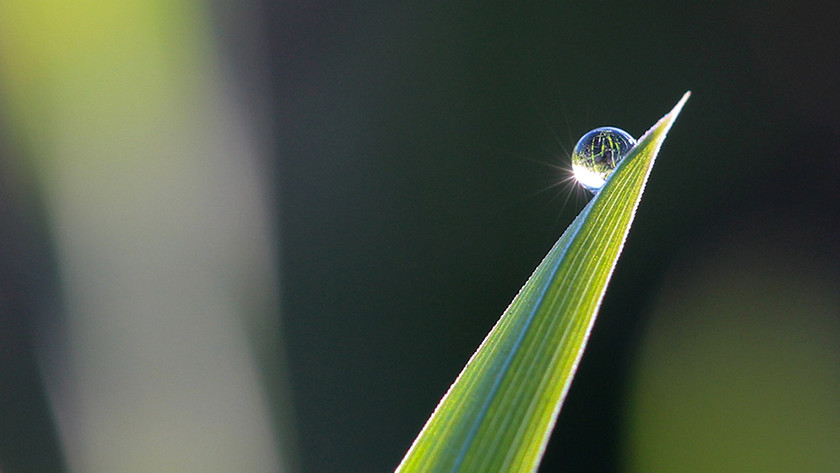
[[597, 154]]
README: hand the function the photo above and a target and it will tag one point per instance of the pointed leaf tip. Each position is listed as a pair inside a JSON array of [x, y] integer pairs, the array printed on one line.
[[498, 414]]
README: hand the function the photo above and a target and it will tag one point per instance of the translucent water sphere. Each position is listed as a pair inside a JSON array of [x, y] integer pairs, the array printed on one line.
[[597, 154]]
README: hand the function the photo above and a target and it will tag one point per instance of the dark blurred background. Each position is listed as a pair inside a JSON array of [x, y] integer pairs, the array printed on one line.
[[414, 160]]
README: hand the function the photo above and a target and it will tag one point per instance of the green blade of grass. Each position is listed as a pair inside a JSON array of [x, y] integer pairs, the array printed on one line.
[[498, 414]]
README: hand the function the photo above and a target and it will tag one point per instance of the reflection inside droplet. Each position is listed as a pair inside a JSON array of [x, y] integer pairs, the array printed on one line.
[[597, 154]]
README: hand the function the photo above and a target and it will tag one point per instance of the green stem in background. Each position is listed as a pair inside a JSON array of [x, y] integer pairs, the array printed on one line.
[[498, 414]]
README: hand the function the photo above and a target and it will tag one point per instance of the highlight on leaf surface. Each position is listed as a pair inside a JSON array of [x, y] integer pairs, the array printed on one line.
[[498, 414]]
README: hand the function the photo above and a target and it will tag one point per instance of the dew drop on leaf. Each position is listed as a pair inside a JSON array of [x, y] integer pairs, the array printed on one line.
[[597, 154]]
